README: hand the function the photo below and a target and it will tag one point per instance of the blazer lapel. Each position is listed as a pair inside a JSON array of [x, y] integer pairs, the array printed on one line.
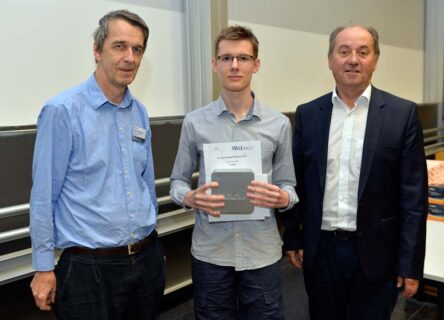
[[374, 124], [325, 110]]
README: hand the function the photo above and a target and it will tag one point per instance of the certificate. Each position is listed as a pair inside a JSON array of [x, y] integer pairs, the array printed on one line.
[[241, 157]]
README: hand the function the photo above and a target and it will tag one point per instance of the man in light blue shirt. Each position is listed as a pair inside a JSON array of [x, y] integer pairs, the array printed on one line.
[[93, 191], [236, 264]]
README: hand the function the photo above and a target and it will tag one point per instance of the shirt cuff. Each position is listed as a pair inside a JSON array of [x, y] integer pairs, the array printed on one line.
[[178, 191], [43, 261], [292, 197]]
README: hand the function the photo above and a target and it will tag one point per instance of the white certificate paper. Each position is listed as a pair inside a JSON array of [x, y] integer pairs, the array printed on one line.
[[236, 155]]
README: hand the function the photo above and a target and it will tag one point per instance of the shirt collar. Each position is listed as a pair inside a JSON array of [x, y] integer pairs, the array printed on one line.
[[99, 99], [363, 99], [255, 109]]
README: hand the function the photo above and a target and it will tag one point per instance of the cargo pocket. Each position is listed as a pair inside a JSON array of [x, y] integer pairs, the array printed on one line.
[[273, 297], [200, 302], [273, 307]]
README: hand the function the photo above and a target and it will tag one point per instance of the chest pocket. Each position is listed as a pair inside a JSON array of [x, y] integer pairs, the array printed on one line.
[[267, 153], [140, 155]]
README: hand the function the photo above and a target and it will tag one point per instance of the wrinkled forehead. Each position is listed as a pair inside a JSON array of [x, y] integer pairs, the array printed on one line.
[[120, 28]]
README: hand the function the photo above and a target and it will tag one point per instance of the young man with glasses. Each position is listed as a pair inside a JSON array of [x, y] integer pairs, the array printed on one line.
[[236, 264]]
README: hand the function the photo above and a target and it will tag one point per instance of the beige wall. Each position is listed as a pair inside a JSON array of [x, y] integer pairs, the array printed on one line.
[[400, 22], [293, 36]]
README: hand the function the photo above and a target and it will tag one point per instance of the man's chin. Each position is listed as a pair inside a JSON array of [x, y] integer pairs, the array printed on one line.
[[354, 83], [235, 88], [124, 82]]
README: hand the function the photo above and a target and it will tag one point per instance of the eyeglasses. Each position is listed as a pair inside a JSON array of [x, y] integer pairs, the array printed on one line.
[[242, 58]]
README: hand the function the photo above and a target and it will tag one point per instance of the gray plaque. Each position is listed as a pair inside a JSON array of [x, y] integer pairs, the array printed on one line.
[[233, 185]]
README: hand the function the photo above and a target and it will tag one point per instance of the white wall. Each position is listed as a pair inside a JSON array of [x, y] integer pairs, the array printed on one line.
[[46, 47], [294, 68]]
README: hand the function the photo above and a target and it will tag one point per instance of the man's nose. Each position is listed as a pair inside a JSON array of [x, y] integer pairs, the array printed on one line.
[[129, 54], [234, 63], [353, 58]]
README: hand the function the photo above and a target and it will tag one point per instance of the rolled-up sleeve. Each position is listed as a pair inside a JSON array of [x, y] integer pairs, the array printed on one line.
[[283, 169], [184, 165]]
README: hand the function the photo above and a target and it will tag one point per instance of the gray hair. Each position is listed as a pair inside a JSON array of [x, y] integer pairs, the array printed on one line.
[[371, 30], [102, 30]]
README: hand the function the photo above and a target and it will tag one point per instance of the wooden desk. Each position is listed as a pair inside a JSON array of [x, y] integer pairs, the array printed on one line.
[[434, 261]]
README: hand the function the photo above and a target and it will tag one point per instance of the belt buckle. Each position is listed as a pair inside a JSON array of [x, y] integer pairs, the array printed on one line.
[[341, 234], [130, 250]]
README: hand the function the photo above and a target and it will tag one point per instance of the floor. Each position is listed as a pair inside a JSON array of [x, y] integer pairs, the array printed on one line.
[[17, 302], [296, 303]]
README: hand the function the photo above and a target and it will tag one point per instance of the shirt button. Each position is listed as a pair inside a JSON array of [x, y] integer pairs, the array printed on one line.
[[120, 129], [129, 194], [133, 235], [123, 150], [237, 235], [131, 215], [125, 172]]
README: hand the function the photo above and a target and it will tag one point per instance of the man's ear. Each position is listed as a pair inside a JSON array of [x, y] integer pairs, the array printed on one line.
[[214, 64], [96, 51], [257, 64]]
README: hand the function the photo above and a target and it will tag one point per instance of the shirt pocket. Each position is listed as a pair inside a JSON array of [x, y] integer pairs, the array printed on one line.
[[140, 155], [267, 154]]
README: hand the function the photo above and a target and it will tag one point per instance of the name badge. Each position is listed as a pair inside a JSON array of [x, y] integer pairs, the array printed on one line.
[[139, 134]]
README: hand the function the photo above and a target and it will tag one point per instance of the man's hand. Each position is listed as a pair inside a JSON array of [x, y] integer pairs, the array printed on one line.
[[410, 286], [43, 287], [296, 258], [199, 199], [267, 195]]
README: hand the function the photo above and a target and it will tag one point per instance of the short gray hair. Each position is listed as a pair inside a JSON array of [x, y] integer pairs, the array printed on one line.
[[101, 32], [371, 30]]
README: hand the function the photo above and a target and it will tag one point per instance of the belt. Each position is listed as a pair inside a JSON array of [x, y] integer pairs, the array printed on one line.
[[116, 251], [342, 234]]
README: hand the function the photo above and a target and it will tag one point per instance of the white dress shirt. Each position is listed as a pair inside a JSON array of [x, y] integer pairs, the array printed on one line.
[[345, 142]]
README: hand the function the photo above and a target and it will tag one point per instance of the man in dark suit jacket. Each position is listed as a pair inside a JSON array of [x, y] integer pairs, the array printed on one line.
[[362, 183]]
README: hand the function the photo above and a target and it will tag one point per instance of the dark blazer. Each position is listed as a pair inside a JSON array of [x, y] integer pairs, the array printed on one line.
[[392, 196]]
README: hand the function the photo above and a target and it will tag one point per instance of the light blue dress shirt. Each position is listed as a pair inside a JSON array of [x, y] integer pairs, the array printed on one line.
[[244, 245], [93, 179]]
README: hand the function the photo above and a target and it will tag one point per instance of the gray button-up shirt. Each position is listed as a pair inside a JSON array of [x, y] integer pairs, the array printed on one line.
[[241, 244]]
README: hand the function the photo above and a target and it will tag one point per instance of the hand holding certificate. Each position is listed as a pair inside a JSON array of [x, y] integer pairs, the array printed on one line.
[[201, 199], [241, 158], [267, 195]]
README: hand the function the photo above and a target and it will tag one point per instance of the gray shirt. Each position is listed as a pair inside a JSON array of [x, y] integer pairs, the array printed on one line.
[[241, 244]]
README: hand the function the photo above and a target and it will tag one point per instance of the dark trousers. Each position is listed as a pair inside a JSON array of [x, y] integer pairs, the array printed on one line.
[[112, 287], [337, 288], [223, 293]]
